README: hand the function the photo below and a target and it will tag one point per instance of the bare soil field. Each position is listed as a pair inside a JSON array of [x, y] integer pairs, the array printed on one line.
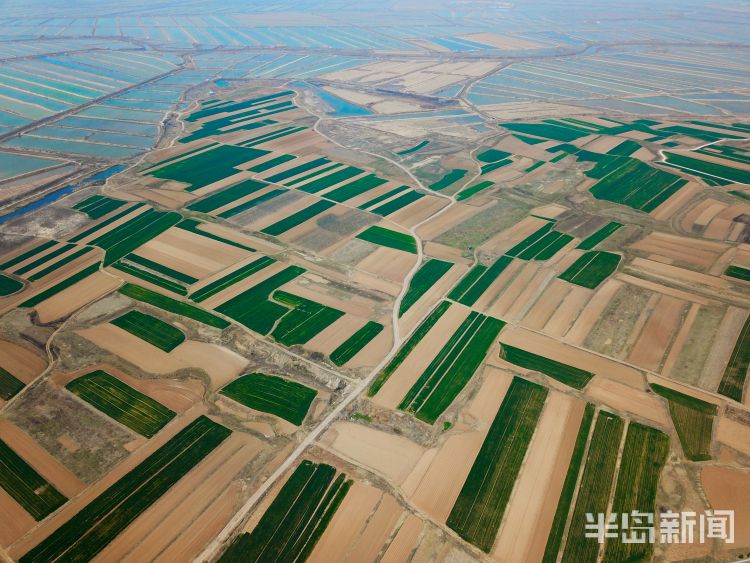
[[76, 296], [730, 489], [20, 361], [658, 332]]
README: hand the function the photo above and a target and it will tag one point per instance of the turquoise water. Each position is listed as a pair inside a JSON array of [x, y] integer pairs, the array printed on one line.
[[15, 164], [341, 107]]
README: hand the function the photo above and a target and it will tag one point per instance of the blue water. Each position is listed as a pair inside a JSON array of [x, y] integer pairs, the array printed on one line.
[[62, 192]]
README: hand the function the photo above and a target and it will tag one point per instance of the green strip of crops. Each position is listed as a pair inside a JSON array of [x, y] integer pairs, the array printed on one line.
[[151, 277], [411, 343], [152, 330], [591, 241], [643, 458], [98, 205], [323, 182], [55, 289], [227, 195], [267, 393], [8, 285], [529, 240], [477, 280], [101, 224], [427, 275], [738, 272], [733, 381], [397, 203], [172, 305], [60, 263], [554, 540], [480, 506], [99, 522], [9, 385], [352, 345], [355, 188], [389, 238], [192, 225], [160, 268], [226, 214], [304, 321], [450, 178], [231, 278], [415, 148], [591, 268], [569, 375], [121, 402], [476, 188], [595, 487], [26, 486], [298, 218], [295, 520], [28, 254], [44, 259], [373, 202]]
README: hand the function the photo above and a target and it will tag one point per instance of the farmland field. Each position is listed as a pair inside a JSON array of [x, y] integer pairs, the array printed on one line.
[[595, 487], [643, 457], [305, 319], [152, 330], [427, 275], [97, 206], [352, 345], [693, 420], [100, 521], [224, 282], [477, 280], [298, 218], [57, 288], [480, 506], [227, 195], [151, 277], [591, 241], [450, 178], [738, 272], [591, 269], [471, 190], [172, 305], [118, 400], [9, 385], [296, 519], [733, 381], [397, 203], [8, 285], [26, 486], [267, 393], [389, 238], [452, 367], [569, 375], [409, 345]]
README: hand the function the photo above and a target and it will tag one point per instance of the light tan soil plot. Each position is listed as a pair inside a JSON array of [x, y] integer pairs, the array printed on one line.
[[15, 521], [680, 339], [657, 334], [221, 364], [733, 434], [551, 300], [386, 454], [630, 400], [507, 239], [388, 263], [558, 351], [404, 542], [533, 502], [425, 303], [455, 215], [723, 345], [729, 489], [20, 361], [436, 481], [700, 253], [567, 312], [418, 211], [76, 296], [592, 311], [377, 530]]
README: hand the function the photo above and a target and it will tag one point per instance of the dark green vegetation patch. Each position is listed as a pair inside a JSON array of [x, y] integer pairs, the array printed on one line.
[[172, 305], [352, 345], [415, 148], [427, 275], [411, 343], [193, 226], [480, 506], [450, 178], [355, 188], [295, 520], [152, 330], [226, 196], [477, 280], [569, 375], [231, 278], [305, 319], [591, 241], [470, 191], [151, 277], [98, 205], [99, 522], [389, 238], [452, 368], [9, 385], [738, 272], [592, 268], [267, 393], [8, 285], [710, 170], [733, 380], [298, 218], [693, 419], [57, 288], [26, 486], [28, 254], [120, 401], [397, 203]]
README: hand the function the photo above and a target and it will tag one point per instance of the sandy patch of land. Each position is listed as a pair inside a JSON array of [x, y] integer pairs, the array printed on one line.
[[500, 41], [241, 286], [221, 364], [336, 334], [567, 312], [15, 521], [76, 296], [20, 361], [377, 530], [657, 333], [722, 347], [418, 211], [105, 229], [592, 311], [629, 399], [659, 288], [388, 263], [701, 253], [425, 303], [455, 215], [533, 502], [733, 434], [680, 339], [729, 489], [498, 286], [386, 454], [547, 305], [507, 239], [404, 541], [512, 293]]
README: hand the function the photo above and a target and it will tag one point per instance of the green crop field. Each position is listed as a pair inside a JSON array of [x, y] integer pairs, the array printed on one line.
[[121, 402], [415, 148], [355, 188], [104, 222], [160, 268], [382, 197], [555, 538], [352, 345], [319, 184], [470, 191], [298, 218], [28, 254], [104, 518], [591, 268], [26, 486], [591, 241], [733, 381], [181, 155], [397, 203], [411, 343], [595, 487], [9, 385], [569, 375], [172, 305], [427, 275], [477, 280], [450, 178], [252, 307], [452, 367], [64, 261], [693, 420], [643, 457], [492, 155], [305, 319], [44, 259], [223, 197], [57, 288], [738, 272], [389, 238], [714, 170], [192, 225], [231, 278], [98, 205], [267, 393], [546, 130], [295, 520], [546, 247], [529, 240], [272, 163], [480, 506], [626, 148], [637, 185], [487, 168], [299, 169], [125, 238], [152, 330], [151, 277], [8, 285], [231, 212]]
